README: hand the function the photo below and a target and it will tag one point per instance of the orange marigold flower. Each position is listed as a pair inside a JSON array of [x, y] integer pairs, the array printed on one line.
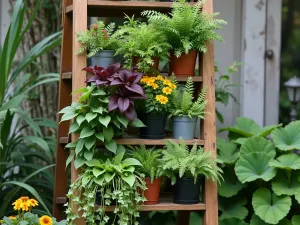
[[173, 86], [33, 202], [159, 77], [25, 206], [164, 100], [154, 86], [45, 220], [24, 198], [167, 90], [167, 82], [17, 204]]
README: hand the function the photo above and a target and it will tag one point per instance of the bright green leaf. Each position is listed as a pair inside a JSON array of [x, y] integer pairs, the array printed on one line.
[[79, 162], [228, 153], [79, 146], [129, 179], [282, 186], [73, 128], [90, 142], [99, 180], [108, 133], [131, 162], [80, 119], [233, 208], [288, 162], [270, 207], [108, 177], [137, 123], [97, 172], [232, 221], [296, 220], [90, 116], [93, 162], [258, 144], [104, 120], [68, 109], [98, 110], [86, 132], [66, 117], [88, 155], [111, 146]]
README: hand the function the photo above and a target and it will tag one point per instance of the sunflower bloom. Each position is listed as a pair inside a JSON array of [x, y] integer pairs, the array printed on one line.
[[33, 202], [45, 220], [167, 90]]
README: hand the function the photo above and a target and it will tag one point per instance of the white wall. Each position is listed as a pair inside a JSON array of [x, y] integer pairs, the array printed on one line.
[[230, 51]]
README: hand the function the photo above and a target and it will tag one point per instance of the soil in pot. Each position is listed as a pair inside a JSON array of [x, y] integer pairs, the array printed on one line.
[[184, 127], [155, 126], [186, 191], [184, 65], [103, 58], [152, 192]]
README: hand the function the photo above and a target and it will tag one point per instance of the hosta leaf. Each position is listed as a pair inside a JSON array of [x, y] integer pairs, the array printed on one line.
[[104, 120], [228, 153], [258, 144], [287, 138], [129, 179], [97, 172], [232, 221], [93, 162], [296, 220], [86, 132], [288, 161], [254, 166], [99, 180], [282, 186], [90, 116], [109, 176], [111, 146], [233, 208], [255, 220], [131, 162], [230, 186], [269, 207], [108, 133]]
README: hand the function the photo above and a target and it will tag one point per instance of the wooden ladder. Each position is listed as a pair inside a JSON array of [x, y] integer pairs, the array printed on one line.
[[75, 16]]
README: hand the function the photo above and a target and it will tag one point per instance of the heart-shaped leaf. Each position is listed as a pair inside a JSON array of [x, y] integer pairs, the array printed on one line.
[[287, 138], [258, 144], [284, 185], [86, 132], [230, 186], [97, 172], [99, 180], [137, 123], [90, 116], [296, 220], [90, 142], [111, 146], [73, 128], [123, 120], [88, 155], [232, 221], [129, 179], [80, 119], [228, 153], [108, 133], [254, 166], [270, 207], [79, 146], [69, 116], [104, 120], [131, 162], [79, 162], [233, 208], [255, 220], [93, 162], [288, 162], [109, 176], [100, 136]]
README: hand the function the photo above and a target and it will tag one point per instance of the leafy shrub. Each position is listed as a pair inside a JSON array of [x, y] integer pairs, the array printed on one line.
[[261, 176]]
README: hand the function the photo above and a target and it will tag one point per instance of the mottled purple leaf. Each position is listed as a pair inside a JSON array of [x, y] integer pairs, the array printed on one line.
[[123, 104]]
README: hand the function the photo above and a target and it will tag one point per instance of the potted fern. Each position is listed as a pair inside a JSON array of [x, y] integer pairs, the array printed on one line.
[[187, 30], [141, 45], [151, 168], [187, 170], [99, 43], [185, 112]]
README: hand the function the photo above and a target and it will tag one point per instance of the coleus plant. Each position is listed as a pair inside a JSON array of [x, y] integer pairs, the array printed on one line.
[[261, 175], [108, 181], [93, 122]]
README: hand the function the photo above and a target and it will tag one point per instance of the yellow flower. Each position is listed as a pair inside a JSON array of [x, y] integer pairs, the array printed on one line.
[[144, 79], [12, 217], [45, 220], [173, 86], [162, 99], [1, 221], [17, 204], [24, 198], [25, 206], [167, 90], [33, 202], [159, 77], [154, 86]]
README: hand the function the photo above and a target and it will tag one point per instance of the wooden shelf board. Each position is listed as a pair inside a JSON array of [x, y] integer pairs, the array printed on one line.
[[164, 204], [134, 140], [68, 76], [102, 8]]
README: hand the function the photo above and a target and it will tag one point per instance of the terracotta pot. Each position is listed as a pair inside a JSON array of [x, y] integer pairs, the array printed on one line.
[[184, 65], [152, 192], [135, 61]]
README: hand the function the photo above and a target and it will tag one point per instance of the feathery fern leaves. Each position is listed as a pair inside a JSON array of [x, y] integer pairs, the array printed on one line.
[[186, 27], [178, 160]]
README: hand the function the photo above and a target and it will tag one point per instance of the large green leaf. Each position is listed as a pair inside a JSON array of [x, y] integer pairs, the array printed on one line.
[[285, 185], [269, 207], [287, 162], [108, 133], [232, 221], [230, 185], [253, 166], [255, 220], [233, 208], [296, 220], [287, 138], [228, 153], [258, 144], [86, 132], [297, 195]]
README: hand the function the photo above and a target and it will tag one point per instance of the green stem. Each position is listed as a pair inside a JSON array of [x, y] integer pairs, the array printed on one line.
[[289, 174]]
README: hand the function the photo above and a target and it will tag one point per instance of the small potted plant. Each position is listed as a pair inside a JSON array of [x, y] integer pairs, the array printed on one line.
[[156, 107], [187, 30], [99, 43], [23, 206], [117, 181], [187, 169], [150, 160], [185, 112], [141, 46]]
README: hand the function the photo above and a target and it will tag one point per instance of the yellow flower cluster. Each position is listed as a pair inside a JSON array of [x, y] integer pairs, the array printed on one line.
[[24, 204], [151, 81], [45, 220], [162, 99]]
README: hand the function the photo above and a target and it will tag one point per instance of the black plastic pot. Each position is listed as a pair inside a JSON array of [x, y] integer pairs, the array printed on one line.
[[186, 191], [155, 126]]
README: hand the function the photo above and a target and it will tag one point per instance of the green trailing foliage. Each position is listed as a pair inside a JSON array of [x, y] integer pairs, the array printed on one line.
[[93, 123], [97, 38], [186, 27], [150, 160], [25, 160], [108, 181], [264, 171], [183, 104], [179, 161], [142, 41]]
